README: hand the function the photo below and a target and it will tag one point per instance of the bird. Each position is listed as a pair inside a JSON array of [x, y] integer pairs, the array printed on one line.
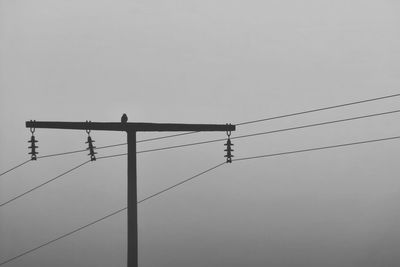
[[124, 118]]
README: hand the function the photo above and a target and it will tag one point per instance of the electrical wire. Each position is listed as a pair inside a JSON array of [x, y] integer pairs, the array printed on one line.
[[319, 109], [80, 165], [271, 132], [55, 178], [197, 175], [107, 216], [109, 146], [61, 154], [318, 148], [163, 137], [238, 124], [204, 142], [238, 159], [43, 184], [319, 124], [182, 182], [209, 141], [77, 151], [15, 167], [112, 156], [62, 236], [242, 136], [114, 145]]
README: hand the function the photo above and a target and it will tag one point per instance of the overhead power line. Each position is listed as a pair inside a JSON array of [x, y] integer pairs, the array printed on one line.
[[255, 121], [238, 124], [182, 182], [319, 109], [319, 124], [62, 153], [43, 184], [80, 165], [114, 145], [108, 146], [112, 156], [195, 176], [317, 148], [248, 135], [273, 131], [55, 178], [291, 152], [238, 159], [15, 167], [107, 216], [217, 140], [61, 237], [163, 137], [187, 133]]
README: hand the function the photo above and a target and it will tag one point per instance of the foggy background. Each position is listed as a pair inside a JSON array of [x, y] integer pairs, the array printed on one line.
[[202, 62]]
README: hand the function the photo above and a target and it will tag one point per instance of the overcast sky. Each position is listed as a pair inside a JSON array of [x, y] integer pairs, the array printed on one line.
[[203, 62]]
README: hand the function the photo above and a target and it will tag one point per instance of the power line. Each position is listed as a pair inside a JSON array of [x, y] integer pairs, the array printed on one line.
[[61, 154], [107, 216], [273, 131], [319, 109], [238, 159], [197, 175], [112, 156], [62, 236], [211, 141], [318, 148], [78, 151], [58, 176], [55, 178], [254, 134], [163, 137], [80, 165], [15, 167], [319, 124], [238, 124], [42, 184], [115, 145], [182, 182]]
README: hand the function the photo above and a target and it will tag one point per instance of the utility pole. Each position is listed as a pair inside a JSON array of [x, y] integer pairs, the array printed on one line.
[[131, 129]]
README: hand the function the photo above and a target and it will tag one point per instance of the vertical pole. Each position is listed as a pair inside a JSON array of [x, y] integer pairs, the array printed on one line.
[[132, 201]]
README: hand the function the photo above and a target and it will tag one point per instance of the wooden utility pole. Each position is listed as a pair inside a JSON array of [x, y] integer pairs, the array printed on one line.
[[131, 129]]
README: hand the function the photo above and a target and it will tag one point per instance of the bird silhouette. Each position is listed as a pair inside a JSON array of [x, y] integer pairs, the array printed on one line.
[[124, 118]]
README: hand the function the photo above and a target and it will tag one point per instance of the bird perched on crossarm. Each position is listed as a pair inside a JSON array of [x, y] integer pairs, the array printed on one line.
[[124, 118]]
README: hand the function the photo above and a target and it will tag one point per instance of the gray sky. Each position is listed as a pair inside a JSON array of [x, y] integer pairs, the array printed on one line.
[[203, 62]]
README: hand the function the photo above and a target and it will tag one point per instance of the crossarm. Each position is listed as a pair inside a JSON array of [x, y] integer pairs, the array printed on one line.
[[130, 126]]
